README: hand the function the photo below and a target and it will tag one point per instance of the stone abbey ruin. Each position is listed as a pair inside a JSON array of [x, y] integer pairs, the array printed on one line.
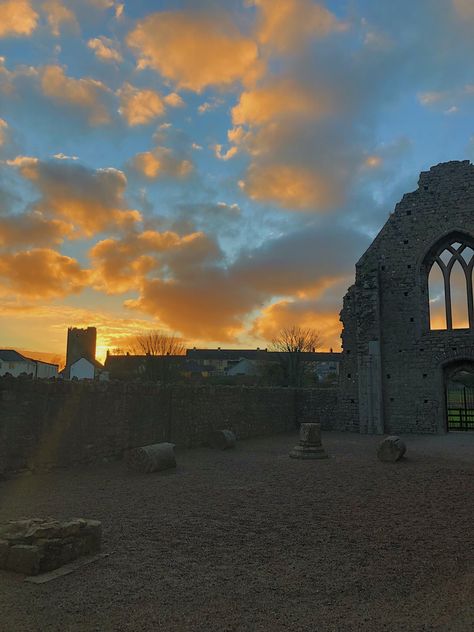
[[401, 370]]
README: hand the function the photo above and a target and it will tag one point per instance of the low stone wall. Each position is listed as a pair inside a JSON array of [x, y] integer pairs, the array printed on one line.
[[46, 424], [37, 546]]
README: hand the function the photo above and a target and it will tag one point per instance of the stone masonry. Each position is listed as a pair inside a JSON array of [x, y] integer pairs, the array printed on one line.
[[393, 369], [40, 545]]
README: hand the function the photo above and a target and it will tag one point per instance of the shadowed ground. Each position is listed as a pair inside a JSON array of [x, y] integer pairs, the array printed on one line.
[[250, 540]]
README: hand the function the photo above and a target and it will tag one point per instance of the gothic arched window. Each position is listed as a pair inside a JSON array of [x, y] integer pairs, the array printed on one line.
[[450, 269]]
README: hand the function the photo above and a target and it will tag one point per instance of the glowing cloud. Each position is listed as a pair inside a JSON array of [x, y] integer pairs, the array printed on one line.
[[105, 49], [17, 18], [91, 200], [83, 94], [140, 107], [40, 274], [58, 14], [193, 49], [287, 25], [290, 186], [161, 162], [280, 98]]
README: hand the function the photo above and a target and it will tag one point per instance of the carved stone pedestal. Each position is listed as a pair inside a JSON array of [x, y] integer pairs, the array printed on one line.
[[310, 443]]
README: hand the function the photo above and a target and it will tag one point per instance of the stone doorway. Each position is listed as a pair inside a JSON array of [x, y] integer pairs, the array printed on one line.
[[459, 383]]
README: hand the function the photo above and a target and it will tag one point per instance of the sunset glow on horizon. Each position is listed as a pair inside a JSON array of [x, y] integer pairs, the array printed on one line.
[[212, 169]]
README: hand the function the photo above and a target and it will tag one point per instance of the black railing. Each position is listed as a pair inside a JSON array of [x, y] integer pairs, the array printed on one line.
[[460, 419]]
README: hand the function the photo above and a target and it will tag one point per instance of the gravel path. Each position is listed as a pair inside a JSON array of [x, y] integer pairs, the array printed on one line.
[[250, 540]]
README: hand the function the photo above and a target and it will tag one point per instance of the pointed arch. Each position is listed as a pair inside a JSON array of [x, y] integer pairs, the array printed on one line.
[[453, 257]]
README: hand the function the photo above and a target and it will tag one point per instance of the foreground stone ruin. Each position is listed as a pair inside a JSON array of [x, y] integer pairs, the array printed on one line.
[[40, 545], [391, 449], [222, 439], [310, 446], [152, 458]]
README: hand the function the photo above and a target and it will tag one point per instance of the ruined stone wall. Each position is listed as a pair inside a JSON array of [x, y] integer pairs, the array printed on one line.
[[55, 423], [386, 313]]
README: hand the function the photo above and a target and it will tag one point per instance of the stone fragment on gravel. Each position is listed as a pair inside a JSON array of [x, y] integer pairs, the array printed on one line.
[[310, 446], [391, 449], [40, 545], [152, 458], [222, 439]]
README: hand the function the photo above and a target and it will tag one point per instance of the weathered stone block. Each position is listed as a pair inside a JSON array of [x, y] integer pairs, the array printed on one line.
[[40, 545], [24, 558], [310, 443], [391, 449], [152, 458], [222, 439]]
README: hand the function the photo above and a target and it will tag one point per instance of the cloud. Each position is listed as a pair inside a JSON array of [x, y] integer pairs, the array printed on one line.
[[3, 131], [17, 18], [195, 50], [92, 200], [283, 97], [32, 229], [40, 274], [291, 186], [105, 49], [196, 293], [126, 263], [140, 107], [161, 162], [464, 9], [219, 153], [57, 15], [287, 25], [174, 100], [304, 313], [86, 95]]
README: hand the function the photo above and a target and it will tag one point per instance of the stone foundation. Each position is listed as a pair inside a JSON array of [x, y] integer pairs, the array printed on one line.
[[40, 545]]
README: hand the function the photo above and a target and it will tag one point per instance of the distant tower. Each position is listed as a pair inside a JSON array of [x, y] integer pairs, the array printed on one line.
[[80, 344]]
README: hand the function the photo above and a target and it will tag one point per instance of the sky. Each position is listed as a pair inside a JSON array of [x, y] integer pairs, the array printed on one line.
[[212, 169]]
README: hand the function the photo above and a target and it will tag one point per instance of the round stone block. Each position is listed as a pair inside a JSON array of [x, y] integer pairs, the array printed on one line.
[[391, 449], [222, 439]]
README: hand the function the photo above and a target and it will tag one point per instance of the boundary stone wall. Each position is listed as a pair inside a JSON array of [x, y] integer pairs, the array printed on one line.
[[46, 424]]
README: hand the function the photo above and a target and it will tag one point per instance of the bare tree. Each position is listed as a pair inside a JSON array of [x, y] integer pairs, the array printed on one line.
[[158, 343], [160, 349], [290, 344]]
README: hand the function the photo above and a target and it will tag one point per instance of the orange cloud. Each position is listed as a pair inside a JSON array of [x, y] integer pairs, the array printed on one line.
[[282, 97], [161, 162], [285, 313], [32, 229], [90, 200], [140, 107], [464, 9], [195, 50], [17, 17], [40, 274], [123, 264], [58, 14], [83, 94], [105, 49], [287, 25], [204, 306], [3, 131], [290, 186]]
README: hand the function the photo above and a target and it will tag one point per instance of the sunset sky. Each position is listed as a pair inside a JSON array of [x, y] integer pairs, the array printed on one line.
[[212, 168]]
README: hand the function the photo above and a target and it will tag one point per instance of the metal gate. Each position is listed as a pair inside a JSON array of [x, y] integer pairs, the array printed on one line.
[[460, 402]]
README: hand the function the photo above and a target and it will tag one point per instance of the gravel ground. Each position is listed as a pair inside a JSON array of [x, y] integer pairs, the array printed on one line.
[[250, 540]]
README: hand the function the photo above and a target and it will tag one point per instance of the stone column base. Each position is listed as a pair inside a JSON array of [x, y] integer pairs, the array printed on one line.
[[308, 452]]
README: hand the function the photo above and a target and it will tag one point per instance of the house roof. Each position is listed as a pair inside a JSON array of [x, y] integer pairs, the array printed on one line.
[[66, 372], [256, 354], [10, 355], [225, 354]]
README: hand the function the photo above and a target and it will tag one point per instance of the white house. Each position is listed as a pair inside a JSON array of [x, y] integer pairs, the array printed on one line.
[[85, 369], [15, 364]]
